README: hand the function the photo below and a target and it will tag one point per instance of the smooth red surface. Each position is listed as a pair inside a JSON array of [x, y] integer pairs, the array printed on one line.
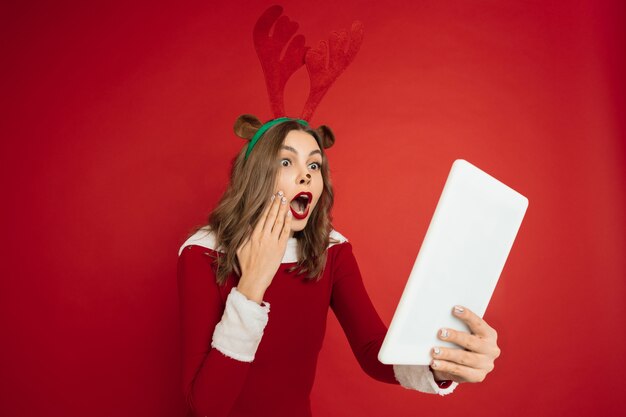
[[117, 139]]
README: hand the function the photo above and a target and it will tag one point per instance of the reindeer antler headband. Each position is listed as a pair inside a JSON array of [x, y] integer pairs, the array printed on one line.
[[324, 64]]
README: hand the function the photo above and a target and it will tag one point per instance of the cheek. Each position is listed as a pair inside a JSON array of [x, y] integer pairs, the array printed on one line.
[[281, 179], [319, 189]]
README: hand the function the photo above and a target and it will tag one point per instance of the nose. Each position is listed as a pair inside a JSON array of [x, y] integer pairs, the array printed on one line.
[[304, 179]]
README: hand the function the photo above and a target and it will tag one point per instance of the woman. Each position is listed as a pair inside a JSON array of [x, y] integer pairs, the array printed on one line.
[[270, 242]]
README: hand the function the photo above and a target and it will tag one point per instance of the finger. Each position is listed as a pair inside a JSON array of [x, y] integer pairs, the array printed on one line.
[[276, 220], [468, 341], [462, 357], [443, 376], [459, 373], [280, 218], [284, 234], [271, 215], [477, 325], [258, 228]]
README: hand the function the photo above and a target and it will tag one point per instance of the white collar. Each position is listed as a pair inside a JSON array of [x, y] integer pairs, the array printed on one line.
[[206, 238]]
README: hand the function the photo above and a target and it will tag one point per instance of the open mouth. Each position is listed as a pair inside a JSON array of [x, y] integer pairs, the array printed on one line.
[[300, 205]]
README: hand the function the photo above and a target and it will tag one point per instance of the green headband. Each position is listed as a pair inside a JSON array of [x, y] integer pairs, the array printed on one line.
[[266, 126]]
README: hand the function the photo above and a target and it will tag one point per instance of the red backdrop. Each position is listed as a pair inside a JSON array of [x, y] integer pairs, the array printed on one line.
[[117, 140]]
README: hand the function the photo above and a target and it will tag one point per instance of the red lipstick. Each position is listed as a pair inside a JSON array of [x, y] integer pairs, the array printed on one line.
[[302, 202]]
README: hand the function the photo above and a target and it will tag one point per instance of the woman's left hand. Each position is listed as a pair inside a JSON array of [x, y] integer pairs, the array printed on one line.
[[475, 360]]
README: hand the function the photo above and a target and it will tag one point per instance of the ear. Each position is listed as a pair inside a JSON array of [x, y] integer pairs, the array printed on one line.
[[326, 136], [246, 126]]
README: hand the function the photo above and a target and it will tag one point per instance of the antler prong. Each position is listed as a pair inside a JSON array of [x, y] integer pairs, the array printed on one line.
[[269, 48], [326, 62]]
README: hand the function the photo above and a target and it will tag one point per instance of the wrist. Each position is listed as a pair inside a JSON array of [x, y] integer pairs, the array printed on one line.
[[250, 291]]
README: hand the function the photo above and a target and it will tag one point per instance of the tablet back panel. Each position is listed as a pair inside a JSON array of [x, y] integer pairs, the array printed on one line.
[[464, 251]]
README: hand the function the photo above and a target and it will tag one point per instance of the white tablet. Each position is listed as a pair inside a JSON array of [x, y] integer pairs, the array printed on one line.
[[460, 261]]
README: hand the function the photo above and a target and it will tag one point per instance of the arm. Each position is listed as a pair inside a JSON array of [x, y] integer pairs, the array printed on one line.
[[366, 332], [211, 380]]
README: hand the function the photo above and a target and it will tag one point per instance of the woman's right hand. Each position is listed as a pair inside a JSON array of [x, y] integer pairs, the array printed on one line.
[[261, 253]]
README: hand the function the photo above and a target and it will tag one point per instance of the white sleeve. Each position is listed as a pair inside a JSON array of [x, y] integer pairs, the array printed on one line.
[[240, 330], [420, 378]]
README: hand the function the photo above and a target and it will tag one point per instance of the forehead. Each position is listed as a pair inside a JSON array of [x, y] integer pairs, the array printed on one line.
[[303, 142]]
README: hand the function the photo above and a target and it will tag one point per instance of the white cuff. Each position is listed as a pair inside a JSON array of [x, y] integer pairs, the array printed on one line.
[[420, 378], [239, 332]]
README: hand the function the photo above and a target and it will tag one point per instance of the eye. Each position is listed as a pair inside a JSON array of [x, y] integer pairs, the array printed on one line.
[[285, 162], [316, 166]]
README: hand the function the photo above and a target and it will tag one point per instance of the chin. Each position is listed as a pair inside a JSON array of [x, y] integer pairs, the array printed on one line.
[[298, 225]]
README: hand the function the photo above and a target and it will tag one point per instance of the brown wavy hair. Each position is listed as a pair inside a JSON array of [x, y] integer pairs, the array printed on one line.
[[252, 182]]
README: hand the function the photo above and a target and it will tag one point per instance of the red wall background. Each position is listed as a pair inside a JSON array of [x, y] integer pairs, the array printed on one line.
[[117, 140]]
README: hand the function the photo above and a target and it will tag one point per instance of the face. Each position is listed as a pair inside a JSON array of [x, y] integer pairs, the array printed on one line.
[[300, 176]]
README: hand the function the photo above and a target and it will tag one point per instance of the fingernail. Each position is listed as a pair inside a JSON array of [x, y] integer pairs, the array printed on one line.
[[289, 213], [458, 309], [444, 333], [283, 200], [280, 193], [433, 364], [273, 197], [436, 351]]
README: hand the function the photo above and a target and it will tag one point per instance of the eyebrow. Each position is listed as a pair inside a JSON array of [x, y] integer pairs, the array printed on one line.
[[289, 148]]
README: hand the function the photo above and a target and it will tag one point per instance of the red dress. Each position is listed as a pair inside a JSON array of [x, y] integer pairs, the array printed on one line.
[[279, 379]]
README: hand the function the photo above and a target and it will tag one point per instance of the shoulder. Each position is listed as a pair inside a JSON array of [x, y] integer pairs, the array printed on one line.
[[206, 238], [340, 247], [203, 237], [336, 238]]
